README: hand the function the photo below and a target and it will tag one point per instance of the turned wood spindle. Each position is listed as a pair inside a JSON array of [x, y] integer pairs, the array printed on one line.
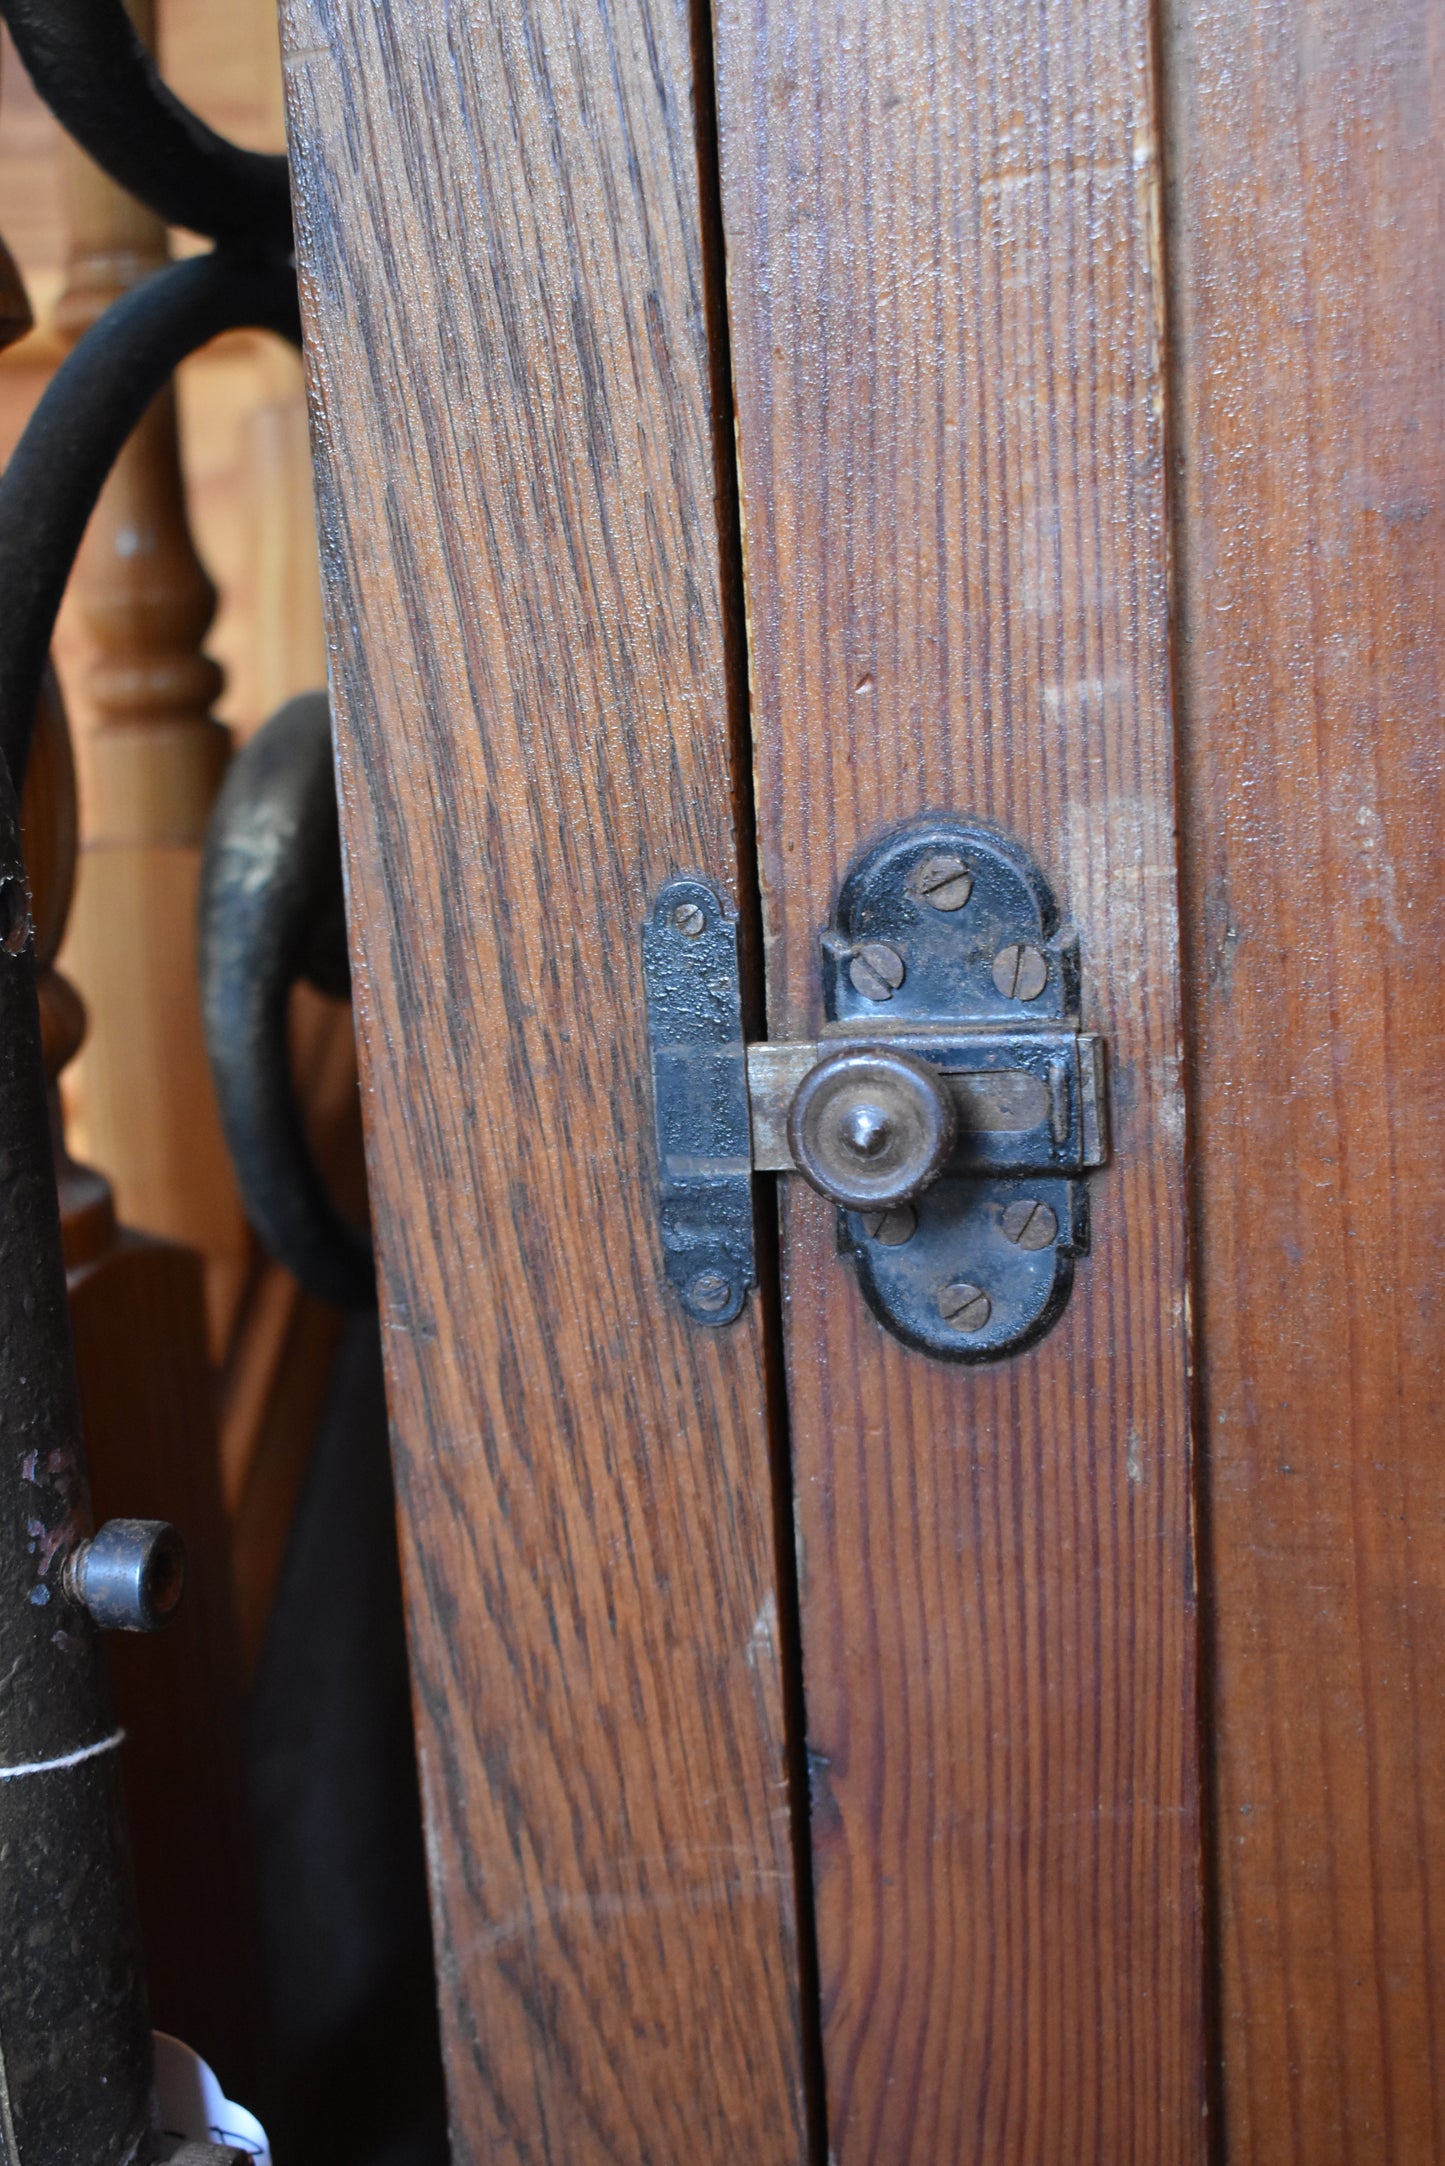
[[151, 760]]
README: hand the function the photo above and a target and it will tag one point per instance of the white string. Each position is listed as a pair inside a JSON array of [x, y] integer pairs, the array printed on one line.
[[66, 1759]]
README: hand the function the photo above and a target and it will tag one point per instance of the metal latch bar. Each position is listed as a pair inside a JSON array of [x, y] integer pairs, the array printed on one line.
[[949, 1106]]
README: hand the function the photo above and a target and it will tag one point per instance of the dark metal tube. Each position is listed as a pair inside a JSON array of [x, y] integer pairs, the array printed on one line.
[[75, 2051]]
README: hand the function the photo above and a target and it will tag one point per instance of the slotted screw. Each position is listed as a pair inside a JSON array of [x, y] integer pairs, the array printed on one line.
[[1029, 1223], [710, 1291], [943, 881], [891, 1228], [1020, 972], [965, 1306], [689, 919], [877, 970]]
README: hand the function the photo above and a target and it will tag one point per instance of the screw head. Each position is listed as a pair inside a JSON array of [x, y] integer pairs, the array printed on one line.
[[877, 970], [891, 1228], [710, 1292], [1029, 1223], [1019, 971], [943, 881], [690, 920], [965, 1306]]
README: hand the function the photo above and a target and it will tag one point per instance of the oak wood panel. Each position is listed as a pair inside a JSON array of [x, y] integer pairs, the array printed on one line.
[[499, 240], [945, 305], [1306, 253]]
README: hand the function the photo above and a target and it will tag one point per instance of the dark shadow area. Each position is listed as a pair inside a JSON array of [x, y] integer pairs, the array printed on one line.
[[354, 2075]]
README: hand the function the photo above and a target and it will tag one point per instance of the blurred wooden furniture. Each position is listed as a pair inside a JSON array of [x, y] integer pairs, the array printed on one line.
[[144, 664], [148, 1395], [154, 759]]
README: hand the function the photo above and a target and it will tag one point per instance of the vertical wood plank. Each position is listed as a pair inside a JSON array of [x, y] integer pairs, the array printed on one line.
[[499, 240], [1306, 248], [945, 302]]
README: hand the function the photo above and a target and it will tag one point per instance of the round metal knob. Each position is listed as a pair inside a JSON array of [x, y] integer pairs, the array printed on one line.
[[870, 1128], [130, 1576]]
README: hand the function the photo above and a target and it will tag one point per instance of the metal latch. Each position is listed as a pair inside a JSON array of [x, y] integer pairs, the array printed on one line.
[[948, 1106]]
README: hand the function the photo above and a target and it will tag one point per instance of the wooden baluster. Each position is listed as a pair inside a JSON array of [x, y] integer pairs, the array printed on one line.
[[149, 1403], [15, 317], [87, 1204], [151, 758]]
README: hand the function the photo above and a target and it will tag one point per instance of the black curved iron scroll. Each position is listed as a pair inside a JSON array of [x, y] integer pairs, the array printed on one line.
[[99, 80], [101, 84], [92, 403], [272, 911]]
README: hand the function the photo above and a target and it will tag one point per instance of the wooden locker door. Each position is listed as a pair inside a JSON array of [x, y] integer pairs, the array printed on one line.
[[1307, 254], [940, 240], [499, 241], [946, 312]]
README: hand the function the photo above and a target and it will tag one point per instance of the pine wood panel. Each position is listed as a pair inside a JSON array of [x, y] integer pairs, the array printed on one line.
[[945, 316], [498, 225], [1306, 251]]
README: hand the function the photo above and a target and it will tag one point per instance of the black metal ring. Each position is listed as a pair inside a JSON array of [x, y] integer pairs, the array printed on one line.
[[97, 78], [273, 910], [57, 470]]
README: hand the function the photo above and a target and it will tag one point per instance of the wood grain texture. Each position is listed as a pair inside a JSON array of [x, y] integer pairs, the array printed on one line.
[[498, 226], [1306, 252], [944, 306]]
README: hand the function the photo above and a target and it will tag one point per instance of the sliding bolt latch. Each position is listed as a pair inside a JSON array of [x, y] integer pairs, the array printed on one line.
[[948, 1106]]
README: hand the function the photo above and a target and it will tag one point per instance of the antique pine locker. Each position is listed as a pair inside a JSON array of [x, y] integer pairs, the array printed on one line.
[[881, 564]]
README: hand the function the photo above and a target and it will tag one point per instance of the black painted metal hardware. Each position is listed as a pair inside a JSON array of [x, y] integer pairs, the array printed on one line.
[[74, 2030], [700, 1094], [949, 1105], [272, 910]]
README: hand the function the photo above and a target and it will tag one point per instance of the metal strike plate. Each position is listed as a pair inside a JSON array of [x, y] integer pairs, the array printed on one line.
[[700, 1099], [946, 955]]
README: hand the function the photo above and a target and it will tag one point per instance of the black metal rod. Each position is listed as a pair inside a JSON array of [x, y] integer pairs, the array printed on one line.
[[75, 2050], [97, 78], [272, 910], [58, 468]]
